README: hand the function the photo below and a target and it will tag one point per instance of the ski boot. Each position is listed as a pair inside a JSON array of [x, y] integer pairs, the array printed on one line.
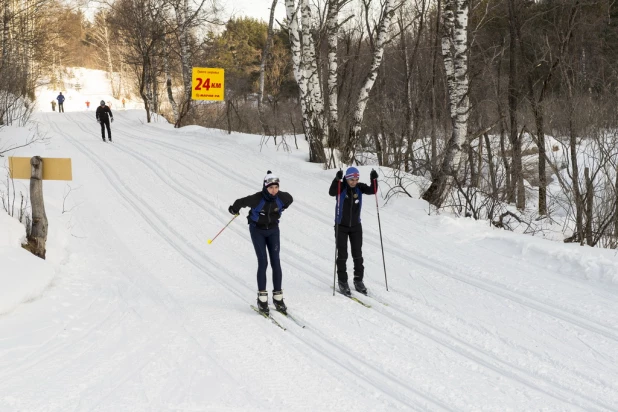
[[103, 139], [262, 302], [344, 288], [360, 286], [278, 302]]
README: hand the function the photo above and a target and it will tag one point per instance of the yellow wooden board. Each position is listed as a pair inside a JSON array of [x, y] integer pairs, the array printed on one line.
[[53, 168], [208, 84]]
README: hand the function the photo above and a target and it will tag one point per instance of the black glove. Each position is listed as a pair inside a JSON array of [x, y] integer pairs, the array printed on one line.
[[339, 175], [373, 175], [232, 211], [112, 120]]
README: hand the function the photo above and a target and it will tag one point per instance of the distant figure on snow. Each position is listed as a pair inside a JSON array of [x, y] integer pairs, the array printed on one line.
[[60, 99], [104, 115], [123, 103], [53, 102], [87, 104]]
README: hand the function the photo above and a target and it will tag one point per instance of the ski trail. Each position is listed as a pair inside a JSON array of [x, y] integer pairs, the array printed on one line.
[[152, 218], [469, 352]]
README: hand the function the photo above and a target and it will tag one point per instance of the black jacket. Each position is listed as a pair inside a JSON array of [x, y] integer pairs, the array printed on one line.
[[349, 211], [268, 216], [102, 113]]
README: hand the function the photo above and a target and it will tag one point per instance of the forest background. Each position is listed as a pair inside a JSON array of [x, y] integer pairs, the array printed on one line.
[[503, 110]]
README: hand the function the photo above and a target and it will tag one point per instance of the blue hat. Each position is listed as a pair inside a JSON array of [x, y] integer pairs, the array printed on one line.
[[352, 173]]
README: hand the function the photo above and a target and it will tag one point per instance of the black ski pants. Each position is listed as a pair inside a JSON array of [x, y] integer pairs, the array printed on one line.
[[264, 239], [105, 124], [60, 107], [355, 235]]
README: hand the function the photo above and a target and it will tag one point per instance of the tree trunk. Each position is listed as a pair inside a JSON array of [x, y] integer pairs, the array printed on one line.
[[455, 53], [372, 75], [110, 63], [313, 124], [516, 193], [168, 81], [38, 236], [434, 81], [492, 171], [616, 212], [182, 17], [265, 55], [332, 25], [576, 192], [589, 204]]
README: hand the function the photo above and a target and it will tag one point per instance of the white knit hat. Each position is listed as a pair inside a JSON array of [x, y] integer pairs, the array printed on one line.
[[271, 179]]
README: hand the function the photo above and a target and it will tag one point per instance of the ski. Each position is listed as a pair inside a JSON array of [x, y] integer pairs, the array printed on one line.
[[376, 299], [292, 318], [355, 299], [269, 317]]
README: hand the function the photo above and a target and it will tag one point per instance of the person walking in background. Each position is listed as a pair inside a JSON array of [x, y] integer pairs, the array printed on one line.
[[104, 116], [266, 209], [123, 103], [87, 104], [349, 193], [60, 99], [53, 102]]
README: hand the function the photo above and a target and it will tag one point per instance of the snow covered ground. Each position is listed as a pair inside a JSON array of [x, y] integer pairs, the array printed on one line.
[[135, 311]]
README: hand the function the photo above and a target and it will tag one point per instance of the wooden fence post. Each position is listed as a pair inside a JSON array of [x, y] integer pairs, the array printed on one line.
[[38, 236]]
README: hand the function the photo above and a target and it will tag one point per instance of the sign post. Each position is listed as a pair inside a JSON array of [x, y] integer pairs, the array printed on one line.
[[32, 168], [208, 84]]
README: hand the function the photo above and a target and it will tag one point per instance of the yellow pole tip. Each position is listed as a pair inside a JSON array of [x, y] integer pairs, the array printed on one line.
[[209, 241]]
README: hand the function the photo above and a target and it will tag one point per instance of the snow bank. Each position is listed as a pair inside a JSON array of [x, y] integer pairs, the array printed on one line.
[[23, 276]]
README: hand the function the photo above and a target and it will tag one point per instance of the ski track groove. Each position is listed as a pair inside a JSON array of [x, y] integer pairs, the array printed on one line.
[[470, 347], [486, 285], [466, 351], [143, 285], [372, 381]]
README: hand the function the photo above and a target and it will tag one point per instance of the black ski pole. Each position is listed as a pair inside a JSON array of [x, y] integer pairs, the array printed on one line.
[[336, 235], [375, 193]]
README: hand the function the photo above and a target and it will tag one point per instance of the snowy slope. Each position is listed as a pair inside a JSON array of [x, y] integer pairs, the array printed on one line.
[[144, 315]]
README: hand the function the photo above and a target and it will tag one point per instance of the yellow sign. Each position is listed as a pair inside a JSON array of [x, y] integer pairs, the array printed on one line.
[[208, 84], [53, 168]]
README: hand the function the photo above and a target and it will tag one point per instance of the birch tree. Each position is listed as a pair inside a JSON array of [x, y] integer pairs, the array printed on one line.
[[102, 41], [332, 28], [265, 54], [168, 79], [305, 73], [384, 25], [455, 55]]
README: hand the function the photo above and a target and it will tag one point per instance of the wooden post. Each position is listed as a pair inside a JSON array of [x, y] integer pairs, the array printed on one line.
[[38, 236], [588, 207]]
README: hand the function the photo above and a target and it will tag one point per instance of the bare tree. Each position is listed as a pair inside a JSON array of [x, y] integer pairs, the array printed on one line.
[[140, 24], [382, 30], [306, 75], [455, 54]]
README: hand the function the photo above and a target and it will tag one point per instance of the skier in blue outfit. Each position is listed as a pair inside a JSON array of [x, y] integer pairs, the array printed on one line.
[[263, 218], [349, 193], [60, 99]]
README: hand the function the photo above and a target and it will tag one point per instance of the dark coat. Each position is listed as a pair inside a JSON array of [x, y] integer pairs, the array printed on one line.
[[350, 202], [102, 113], [267, 217]]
